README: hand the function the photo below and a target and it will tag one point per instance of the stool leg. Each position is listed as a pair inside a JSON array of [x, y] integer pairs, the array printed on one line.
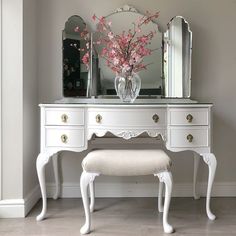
[[160, 196], [92, 196], [85, 179], [166, 177]]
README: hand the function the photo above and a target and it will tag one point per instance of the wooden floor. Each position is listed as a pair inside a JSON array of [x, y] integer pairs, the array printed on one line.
[[126, 217]]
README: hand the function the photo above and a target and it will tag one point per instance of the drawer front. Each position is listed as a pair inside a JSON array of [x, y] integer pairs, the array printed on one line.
[[64, 117], [193, 116], [185, 137], [64, 137], [127, 118]]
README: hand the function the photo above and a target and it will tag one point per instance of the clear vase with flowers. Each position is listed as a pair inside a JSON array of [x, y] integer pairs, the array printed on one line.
[[124, 53]]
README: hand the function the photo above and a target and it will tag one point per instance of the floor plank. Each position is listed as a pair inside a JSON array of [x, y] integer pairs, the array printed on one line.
[[128, 217]]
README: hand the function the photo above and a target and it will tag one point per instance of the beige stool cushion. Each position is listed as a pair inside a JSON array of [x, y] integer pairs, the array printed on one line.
[[126, 162]]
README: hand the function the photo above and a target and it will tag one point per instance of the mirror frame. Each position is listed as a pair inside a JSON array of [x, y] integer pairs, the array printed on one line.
[[169, 62], [91, 83]]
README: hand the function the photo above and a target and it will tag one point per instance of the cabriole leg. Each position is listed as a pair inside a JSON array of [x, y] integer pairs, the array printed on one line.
[[56, 175], [210, 160], [195, 171], [166, 177], [42, 160], [85, 179], [92, 196], [160, 196]]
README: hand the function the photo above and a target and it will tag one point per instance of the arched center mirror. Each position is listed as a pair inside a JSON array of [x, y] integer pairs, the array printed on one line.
[[122, 20]]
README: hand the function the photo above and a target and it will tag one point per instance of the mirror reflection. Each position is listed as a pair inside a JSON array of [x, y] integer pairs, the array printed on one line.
[[151, 77], [177, 58], [167, 75], [75, 72]]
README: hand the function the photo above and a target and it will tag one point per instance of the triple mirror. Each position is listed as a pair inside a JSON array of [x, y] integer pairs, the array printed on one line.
[[169, 66]]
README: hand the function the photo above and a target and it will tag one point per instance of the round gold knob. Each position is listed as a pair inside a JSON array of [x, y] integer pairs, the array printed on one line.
[[190, 138], [189, 118], [64, 138], [155, 118], [64, 118], [98, 118]]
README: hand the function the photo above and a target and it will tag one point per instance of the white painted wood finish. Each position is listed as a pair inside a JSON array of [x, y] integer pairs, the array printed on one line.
[[178, 116], [173, 122], [64, 116], [87, 180]]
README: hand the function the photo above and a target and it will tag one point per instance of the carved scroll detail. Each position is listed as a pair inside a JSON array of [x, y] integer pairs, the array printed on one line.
[[127, 134]]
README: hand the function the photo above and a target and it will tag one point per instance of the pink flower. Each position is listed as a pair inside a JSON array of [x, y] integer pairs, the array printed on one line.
[[110, 35], [104, 51], [116, 61], [127, 50], [94, 17], [85, 59], [77, 29], [102, 20], [143, 39]]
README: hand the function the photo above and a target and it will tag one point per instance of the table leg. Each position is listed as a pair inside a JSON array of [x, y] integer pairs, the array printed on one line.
[[42, 160], [210, 160], [56, 176], [195, 171]]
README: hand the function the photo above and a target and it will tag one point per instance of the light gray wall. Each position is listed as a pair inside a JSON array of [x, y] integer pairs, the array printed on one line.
[[20, 116], [30, 97], [12, 99], [213, 70]]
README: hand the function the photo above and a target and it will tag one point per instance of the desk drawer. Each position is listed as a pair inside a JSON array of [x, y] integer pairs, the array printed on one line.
[[64, 137], [64, 117], [127, 118], [190, 116], [189, 137]]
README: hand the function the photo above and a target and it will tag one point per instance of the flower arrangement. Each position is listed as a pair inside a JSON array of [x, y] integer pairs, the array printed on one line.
[[123, 53], [127, 50]]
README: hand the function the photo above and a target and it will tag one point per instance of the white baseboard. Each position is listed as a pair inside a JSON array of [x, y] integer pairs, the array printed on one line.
[[12, 208], [15, 208], [72, 190], [19, 208]]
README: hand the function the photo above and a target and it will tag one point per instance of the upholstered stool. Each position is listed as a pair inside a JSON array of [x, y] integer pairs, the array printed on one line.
[[125, 163]]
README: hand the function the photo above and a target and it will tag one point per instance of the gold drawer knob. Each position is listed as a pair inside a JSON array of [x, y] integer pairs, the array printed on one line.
[[64, 138], [98, 118], [189, 118], [155, 118], [190, 138], [64, 118]]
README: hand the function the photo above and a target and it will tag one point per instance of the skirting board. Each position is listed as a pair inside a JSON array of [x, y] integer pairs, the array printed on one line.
[[19, 208], [15, 208], [72, 190]]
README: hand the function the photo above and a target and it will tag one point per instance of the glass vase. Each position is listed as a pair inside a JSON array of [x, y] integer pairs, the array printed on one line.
[[127, 85]]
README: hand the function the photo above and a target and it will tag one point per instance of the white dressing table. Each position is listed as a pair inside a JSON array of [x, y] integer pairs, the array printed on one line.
[[182, 124]]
